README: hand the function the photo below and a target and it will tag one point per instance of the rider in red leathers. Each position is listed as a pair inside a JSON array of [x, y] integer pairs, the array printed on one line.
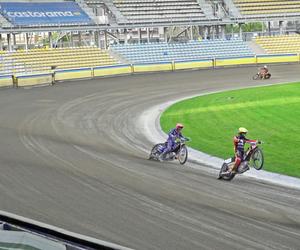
[[263, 71], [239, 142]]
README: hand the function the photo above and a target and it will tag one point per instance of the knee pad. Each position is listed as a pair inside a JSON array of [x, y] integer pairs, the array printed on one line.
[[237, 161]]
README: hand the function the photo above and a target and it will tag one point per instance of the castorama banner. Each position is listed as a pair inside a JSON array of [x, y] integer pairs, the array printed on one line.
[[39, 13]]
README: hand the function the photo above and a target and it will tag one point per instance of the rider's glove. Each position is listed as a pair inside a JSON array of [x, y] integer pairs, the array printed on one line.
[[258, 142], [187, 138]]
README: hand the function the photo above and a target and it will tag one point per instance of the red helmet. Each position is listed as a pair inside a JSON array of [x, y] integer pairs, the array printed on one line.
[[179, 125]]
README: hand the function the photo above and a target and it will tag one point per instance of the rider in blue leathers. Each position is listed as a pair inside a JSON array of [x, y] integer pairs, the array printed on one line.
[[174, 134]]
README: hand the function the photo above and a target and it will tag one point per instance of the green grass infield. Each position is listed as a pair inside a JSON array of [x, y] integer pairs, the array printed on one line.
[[271, 114]]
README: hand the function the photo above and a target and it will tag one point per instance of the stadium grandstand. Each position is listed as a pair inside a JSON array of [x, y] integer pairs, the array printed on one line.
[[40, 36], [66, 34]]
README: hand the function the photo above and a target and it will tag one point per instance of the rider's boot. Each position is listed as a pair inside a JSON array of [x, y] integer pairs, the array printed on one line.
[[163, 154], [173, 155], [233, 169], [226, 173]]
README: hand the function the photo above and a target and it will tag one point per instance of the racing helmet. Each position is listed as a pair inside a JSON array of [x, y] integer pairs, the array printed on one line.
[[243, 130], [265, 66], [179, 125]]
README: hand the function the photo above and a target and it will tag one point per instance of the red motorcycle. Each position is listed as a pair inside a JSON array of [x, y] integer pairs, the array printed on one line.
[[253, 157], [260, 76]]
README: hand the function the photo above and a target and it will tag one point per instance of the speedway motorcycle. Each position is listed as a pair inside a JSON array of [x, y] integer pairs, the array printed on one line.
[[259, 76], [179, 152], [253, 157]]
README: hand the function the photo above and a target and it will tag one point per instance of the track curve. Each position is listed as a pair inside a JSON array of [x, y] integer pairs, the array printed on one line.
[[73, 156]]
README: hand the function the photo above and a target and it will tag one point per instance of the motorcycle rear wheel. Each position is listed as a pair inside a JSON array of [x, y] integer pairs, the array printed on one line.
[[154, 154], [256, 77], [223, 169], [182, 155], [257, 159]]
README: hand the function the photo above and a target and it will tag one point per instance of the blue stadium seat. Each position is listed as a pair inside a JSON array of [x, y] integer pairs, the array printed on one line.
[[193, 50]]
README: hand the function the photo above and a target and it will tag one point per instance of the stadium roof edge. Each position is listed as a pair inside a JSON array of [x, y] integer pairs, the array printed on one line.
[[103, 27]]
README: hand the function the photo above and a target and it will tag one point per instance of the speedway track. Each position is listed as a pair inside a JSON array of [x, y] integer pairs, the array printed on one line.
[[73, 156]]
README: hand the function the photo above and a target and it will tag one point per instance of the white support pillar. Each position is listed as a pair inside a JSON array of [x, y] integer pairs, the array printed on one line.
[[209, 32], [148, 35], [9, 42], [200, 31], [91, 33], [118, 36], [240, 31], [205, 32], [26, 41], [97, 39], [1, 44], [125, 36], [50, 40], [222, 28], [165, 34], [280, 27], [14, 41], [71, 40], [79, 38], [139, 35], [213, 32], [105, 40], [217, 31]]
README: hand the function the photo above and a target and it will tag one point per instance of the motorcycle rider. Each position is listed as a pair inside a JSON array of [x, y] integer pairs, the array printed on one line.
[[263, 71], [239, 141], [174, 134]]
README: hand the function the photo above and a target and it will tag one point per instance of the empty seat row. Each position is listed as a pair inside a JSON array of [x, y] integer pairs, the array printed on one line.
[[280, 44], [136, 53], [146, 11], [40, 60], [270, 7]]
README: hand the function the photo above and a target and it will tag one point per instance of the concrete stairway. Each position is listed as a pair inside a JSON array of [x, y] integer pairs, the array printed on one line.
[[120, 18], [4, 23], [233, 11], [256, 48], [207, 9], [87, 10]]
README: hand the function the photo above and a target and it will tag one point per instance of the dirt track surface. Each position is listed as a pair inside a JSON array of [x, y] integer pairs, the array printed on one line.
[[73, 156]]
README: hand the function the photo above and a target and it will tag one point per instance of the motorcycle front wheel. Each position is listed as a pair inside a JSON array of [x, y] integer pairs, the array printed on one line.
[[257, 159], [182, 155], [268, 76], [154, 154]]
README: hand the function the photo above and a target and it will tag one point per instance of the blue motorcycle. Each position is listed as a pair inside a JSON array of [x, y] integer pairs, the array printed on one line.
[[179, 152]]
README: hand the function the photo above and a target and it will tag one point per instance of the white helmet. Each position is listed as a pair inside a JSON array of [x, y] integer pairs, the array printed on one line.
[[265, 67]]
